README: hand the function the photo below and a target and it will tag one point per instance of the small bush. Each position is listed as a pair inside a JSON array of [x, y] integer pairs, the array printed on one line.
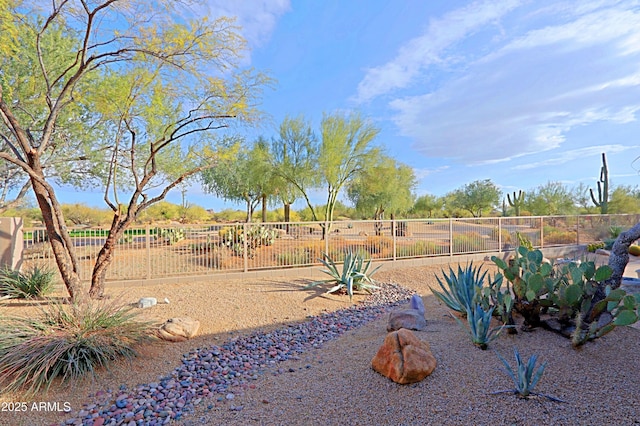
[[419, 248], [66, 341], [471, 241], [591, 248], [380, 245], [33, 283], [560, 237], [295, 257], [496, 233]]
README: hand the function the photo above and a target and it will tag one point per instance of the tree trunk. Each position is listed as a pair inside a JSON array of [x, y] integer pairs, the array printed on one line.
[[61, 244], [264, 208], [287, 212], [105, 257]]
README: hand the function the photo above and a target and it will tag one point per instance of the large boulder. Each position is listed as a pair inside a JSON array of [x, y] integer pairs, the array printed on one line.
[[404, 358], [179, 329]]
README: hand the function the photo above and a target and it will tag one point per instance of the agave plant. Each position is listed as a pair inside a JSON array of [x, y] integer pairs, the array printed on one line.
[[355, 274], [525, 377], [480, 329], [461, 288]]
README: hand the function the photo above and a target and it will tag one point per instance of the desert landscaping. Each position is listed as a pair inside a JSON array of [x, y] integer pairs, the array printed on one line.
[[332, 382]]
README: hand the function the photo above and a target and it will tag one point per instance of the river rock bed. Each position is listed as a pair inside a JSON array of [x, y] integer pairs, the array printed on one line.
[[212, 374]]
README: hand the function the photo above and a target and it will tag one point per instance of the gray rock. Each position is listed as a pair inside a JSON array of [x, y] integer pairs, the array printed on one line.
[[147, 302], [411, 319], [417, 304]]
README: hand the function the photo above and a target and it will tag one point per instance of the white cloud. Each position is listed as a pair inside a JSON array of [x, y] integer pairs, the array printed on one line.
[[422, 173], [430, 48], [564, 157], [257, 18], [532, 90]]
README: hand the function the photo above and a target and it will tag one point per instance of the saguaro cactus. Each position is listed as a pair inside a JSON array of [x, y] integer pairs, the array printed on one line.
[[517, 202], [603, 188]]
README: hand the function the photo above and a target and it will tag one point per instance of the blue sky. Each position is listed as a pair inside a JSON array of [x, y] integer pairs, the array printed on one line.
[[519, 92]]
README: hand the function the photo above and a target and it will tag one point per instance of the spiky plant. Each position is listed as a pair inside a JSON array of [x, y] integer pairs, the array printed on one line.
[[33, 283], [479, 322], [461, 288], [355, 274], [67, 341], [525, 376]]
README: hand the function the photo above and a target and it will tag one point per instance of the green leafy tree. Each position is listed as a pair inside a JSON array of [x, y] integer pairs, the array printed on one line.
[[295, 158], [476, 197], [243, 175], [624, 199], [427, 205], [130, 108], [552, 198], [384, 185]]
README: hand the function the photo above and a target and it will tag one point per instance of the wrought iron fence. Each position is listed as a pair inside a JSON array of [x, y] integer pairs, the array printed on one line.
[[168, 251]]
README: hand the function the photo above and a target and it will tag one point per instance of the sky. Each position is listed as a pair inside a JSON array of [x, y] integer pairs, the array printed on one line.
[[519, 92]]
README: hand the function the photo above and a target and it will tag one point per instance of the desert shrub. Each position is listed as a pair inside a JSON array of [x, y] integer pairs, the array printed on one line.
[[419, 248], [295, 257], [234, 237], [380, 245], [560, 237], [33, 283], [67, 341], [467, 242], [496, 232], [591, 248]]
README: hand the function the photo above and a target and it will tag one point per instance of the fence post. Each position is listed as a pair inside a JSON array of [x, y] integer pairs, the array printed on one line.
[[451, 237], [393, 236], [245, 246], [541, 231], [578, 231], [499, 235], [147, 242]]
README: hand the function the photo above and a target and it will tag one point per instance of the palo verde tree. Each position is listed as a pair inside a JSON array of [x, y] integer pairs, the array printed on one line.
[[384, 185], [242, 174], [345, 151], [295, 154], [146, 93]]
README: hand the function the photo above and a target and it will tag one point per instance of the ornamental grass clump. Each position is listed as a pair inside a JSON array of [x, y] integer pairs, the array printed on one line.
[[66, 341], [33, 283]]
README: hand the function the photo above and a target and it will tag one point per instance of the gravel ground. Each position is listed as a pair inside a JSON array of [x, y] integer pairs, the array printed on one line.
[[326, 378]]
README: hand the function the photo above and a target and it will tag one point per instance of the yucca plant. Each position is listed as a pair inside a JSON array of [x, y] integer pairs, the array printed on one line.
[[460, 289], [66, 341], [525, 377], [33, 283], [479, 322], [355, 274]]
